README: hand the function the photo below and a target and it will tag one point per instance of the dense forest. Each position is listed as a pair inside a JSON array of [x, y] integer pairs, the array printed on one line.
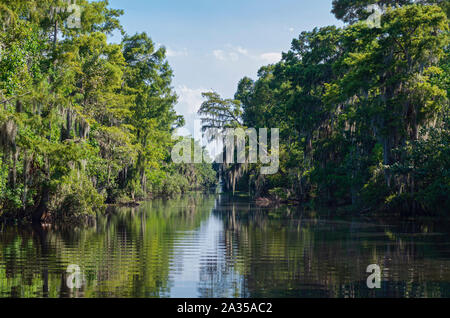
[[363, 112], [83, 121]]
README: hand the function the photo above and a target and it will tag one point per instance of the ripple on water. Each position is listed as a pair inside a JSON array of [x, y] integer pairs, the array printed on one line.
[[225, 249]]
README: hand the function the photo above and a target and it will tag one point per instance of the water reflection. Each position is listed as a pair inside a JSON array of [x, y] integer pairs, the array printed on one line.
[[218, 246]]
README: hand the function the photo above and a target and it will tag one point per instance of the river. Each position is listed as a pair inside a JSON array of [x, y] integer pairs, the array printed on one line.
[[221, 246]]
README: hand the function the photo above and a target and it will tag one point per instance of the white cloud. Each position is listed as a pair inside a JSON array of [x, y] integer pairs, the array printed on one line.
[[242, 50], [189, 100], [171, 52], [183, 131], [174, 53], [270, 57], [225, 56], [219, 54], [234, 53], [291, 29]]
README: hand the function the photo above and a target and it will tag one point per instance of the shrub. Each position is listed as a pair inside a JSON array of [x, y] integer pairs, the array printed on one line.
[[75, 199]]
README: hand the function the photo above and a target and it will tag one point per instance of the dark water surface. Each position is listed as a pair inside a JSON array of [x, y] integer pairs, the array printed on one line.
[[215, 246]]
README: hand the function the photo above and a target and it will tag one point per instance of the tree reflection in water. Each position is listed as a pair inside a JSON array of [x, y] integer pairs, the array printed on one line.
[[208, 246], [287, 252]]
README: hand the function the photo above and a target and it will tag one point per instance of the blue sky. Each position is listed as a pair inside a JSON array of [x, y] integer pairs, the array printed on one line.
[[212, 44]]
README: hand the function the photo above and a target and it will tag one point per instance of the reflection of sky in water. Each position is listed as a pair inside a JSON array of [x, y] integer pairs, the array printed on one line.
[[199, 258]]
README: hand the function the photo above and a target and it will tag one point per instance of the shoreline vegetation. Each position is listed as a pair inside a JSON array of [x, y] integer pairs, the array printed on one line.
[[84, 122], [363, 114]]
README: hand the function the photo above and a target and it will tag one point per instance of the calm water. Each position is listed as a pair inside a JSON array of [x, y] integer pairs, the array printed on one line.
[[213, 246]]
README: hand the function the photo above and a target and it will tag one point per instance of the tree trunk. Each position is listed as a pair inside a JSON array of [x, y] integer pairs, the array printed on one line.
[[42, 207]]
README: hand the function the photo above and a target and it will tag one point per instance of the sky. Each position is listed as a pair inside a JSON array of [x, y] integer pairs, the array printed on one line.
[[212, 44]]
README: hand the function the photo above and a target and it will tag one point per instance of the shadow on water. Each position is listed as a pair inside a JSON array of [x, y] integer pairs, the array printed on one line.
[[220, 246]]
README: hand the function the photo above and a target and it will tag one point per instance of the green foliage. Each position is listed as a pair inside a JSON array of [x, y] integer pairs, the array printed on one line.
[[174, 184], [360, 112], [76, 197], [427, 168], [351, 11], [83, 121]]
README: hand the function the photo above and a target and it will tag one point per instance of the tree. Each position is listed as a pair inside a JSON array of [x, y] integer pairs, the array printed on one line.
[[355, 107], [82, 121]]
